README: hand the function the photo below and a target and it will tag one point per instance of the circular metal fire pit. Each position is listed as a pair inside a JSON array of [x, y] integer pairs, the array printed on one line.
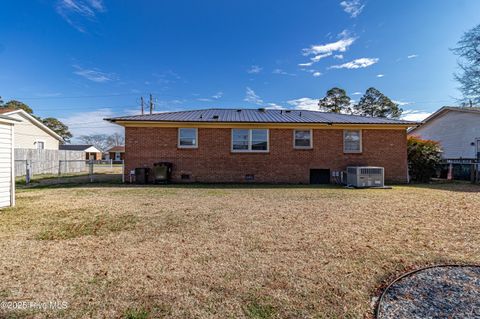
[[447, 291]]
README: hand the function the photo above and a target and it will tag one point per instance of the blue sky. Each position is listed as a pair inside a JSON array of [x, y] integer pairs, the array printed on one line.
[[82, 60]]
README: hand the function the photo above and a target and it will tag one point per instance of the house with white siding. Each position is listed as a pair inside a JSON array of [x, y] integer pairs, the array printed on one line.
[[30, 133], [7, 167], [457, 129]]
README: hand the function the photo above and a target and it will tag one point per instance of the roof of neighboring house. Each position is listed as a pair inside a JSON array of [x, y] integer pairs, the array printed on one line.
[[445, 109], [79, 147], [258, 116], [32, 119], [118, 148]]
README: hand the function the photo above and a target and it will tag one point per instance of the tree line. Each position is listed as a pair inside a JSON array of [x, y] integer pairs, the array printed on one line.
[[372, 103]]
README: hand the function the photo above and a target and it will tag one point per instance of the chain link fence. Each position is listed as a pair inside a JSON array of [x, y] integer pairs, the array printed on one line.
[[34, 172]]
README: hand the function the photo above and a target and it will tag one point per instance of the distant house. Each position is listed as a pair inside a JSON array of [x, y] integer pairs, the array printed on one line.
[[456, 128], [30, 133], [265, 146], [91, 152], [116, 153]]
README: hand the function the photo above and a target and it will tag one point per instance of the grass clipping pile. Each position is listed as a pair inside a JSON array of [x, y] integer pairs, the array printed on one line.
[[435, 292]]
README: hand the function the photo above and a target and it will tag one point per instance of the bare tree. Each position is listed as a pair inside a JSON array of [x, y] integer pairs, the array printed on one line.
[[468, 49], [103, 141]]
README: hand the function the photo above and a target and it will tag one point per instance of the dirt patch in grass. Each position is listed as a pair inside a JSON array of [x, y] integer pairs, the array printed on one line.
[[228, 252]]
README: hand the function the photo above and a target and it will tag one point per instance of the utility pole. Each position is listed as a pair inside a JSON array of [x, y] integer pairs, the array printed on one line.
[[471, 104], [141, 99], [151, 104]]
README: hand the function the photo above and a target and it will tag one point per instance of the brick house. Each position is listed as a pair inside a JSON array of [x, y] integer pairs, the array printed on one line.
[[116, 153], [265, 146]]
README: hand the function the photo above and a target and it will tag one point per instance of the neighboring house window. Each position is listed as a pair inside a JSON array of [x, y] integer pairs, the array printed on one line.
[[352, 141], [250, 140], [40, 145], [187, 137], [302, 138]]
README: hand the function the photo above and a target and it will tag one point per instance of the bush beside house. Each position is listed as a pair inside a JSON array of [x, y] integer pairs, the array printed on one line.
[[423, 158]]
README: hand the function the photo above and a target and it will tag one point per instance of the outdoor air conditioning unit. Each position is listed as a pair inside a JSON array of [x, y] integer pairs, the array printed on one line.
[[365, 176]]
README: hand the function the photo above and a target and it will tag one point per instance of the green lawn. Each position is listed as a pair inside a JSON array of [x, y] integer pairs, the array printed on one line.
[[200, 251]]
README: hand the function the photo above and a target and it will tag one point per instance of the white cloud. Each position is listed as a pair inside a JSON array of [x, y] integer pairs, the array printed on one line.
[[252, 97], [304, 103], [217, 95], [305, 64], [412, 56], [380, 75], [356, 64], [76, 12], [93, 74], [320, 56], [352, 7], [401, 103], [415, 115], [340, 46], [254, 69], [338, 56], [357, 93], [316, 74], [88, 123], [274, 106], [282, 72]]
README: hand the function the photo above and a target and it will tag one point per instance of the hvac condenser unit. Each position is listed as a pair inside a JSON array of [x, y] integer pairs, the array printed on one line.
[[365, 176]]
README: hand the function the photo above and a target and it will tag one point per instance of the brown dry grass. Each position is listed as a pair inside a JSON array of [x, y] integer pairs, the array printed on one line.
[[226, 251]]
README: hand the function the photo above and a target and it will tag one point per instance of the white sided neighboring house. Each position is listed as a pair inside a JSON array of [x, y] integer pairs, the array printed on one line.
[[457, 129], [30, 133], [7, 167]]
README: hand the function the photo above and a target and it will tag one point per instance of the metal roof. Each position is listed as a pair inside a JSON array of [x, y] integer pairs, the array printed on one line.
[[74, 147], [259, 116]]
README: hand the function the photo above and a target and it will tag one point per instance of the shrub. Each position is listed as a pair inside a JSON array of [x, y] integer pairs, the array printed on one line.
[[423, 158]]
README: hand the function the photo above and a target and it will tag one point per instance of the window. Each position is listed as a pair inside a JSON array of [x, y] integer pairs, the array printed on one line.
[[352, 141], [187, 138], [302, 138], [40, 145], [246, 140]]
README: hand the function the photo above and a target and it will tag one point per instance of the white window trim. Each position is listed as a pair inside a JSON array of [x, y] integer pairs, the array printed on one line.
[[42, 141], [303, 147], [361, 142], [187, 146], [250, 141]]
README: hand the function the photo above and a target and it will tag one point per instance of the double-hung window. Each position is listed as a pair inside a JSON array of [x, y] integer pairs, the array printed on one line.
[[187, 138], [352, 141], [302, 139], [250, 140]]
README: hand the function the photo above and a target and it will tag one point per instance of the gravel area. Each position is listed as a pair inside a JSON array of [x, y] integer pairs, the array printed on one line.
[[438, 292]]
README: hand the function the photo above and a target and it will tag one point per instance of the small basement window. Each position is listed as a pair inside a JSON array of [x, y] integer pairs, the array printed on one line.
[[352, 141], [187, 138], [302, 139]]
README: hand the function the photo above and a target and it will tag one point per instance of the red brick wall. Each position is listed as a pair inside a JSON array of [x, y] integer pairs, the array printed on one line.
[[213, 161]]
